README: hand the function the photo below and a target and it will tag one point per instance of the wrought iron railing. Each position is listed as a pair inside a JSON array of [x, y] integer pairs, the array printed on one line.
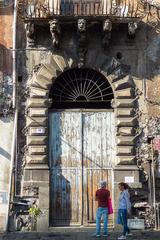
[[117, 8]]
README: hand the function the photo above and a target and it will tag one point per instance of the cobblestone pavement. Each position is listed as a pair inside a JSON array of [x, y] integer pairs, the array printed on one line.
[[78, 235]]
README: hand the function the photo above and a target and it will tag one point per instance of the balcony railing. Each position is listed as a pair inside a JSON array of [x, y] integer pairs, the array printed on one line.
[[47, 8]]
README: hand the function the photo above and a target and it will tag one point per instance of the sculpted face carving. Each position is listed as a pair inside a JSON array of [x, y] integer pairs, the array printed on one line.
[[54, 25], [132, 26], [81, 25], [107, 25], [55, 32]]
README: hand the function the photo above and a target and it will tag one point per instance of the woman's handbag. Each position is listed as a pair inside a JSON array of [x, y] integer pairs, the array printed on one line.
[[110, 208]]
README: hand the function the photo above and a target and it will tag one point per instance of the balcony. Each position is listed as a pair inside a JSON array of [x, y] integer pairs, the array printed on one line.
[[42, 9]]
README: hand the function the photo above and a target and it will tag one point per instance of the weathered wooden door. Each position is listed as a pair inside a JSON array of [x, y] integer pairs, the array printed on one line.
[[82, 149]]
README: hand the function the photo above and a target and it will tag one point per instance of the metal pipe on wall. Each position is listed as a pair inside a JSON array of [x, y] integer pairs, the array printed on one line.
[[15, 108]]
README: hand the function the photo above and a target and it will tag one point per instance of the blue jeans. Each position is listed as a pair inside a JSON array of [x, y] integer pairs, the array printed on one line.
[[122, 219], [102, 211]]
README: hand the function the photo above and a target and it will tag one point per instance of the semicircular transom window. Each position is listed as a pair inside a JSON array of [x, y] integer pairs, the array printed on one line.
[[81, 88]]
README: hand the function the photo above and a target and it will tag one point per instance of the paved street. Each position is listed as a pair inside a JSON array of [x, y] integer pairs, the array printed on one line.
[[78, 235]]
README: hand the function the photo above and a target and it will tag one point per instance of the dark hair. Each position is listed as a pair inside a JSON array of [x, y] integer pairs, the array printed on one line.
[[125, 185]]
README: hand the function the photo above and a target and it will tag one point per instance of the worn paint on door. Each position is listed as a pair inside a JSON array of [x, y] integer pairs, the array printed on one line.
[[82, 152]]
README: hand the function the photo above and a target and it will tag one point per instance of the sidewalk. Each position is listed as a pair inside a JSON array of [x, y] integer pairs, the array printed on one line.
[[77, 235]]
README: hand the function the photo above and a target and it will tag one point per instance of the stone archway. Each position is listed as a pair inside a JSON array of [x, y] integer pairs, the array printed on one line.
[[38, 102]]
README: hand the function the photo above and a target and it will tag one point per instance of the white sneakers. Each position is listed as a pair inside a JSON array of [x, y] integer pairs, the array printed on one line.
[[121, 237]]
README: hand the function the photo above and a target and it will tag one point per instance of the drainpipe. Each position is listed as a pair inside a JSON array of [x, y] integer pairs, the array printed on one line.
[[14, 102]]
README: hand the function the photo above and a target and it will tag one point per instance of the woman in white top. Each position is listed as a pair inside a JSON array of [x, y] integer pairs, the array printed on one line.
[[124, 207]]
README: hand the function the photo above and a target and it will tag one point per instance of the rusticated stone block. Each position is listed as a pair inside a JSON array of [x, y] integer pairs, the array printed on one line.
[[123, 131], [126, 122], [126, 159], [33, 112], [125, 93], [125, 103], [37, 131], [125, 150], [38, 102], [38, 92], [125, 140], [36, 159], [37, 150], [36, 140], [36, 121], [125, 112]]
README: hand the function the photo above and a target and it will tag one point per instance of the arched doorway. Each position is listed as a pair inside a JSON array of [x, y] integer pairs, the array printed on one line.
[[81, 144]]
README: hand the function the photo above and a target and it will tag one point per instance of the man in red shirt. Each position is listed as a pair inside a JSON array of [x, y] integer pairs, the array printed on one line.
[[102, 196]]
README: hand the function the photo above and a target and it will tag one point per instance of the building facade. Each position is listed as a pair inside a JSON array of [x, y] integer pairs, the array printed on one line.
[[87, 101], [6, 113]]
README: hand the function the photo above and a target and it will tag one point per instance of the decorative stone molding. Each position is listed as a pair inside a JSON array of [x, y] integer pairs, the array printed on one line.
[[30, 34], [81, 33], [125, 104], [107, 28], [132, 27], [55, 32]]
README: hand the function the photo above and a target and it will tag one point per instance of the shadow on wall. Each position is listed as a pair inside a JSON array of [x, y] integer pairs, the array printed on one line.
[[5, 154]]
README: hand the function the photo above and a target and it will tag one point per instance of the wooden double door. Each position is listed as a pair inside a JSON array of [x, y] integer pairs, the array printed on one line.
[[81, 153]]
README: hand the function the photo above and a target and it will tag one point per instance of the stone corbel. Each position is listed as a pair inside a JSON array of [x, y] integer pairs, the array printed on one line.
[[81, 33], [132, 27], [107, 28], [55, 32], [30, 34]]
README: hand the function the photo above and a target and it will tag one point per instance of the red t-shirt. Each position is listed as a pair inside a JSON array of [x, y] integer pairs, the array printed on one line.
[[102, 195]]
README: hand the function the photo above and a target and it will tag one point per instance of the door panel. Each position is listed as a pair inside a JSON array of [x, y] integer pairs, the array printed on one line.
[[66, 168], [82, 151]]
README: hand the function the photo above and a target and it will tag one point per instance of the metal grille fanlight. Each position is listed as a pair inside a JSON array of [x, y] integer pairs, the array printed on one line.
[[81, 86]]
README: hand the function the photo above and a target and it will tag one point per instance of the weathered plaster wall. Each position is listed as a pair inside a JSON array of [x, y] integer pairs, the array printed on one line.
[[6, 126]]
